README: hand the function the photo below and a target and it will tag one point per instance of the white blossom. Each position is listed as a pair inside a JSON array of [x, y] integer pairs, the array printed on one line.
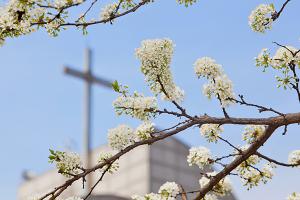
[[186, 2], [263, 59], [137, 106], [150, 196], [108, 11], [211, 131], [220, 87], [294, 157], [104, 156], [207, 67], [155, 56], [169, 191], [120, 137], [260, 18], [221, 189], [64, 3], [143, 131], [294, 196], [67, 163], [16, 18], [252, 160], [200, 156], [253, 132], [283, 57], [252, 176]]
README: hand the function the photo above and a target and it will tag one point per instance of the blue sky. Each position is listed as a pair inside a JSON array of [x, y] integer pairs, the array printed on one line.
[[41, 108]]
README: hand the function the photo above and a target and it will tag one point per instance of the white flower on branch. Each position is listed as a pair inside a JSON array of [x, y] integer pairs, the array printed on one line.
[[253, 132], [283, 57], [263, 59], [155, 56], [108, 11], [137, 106], [252, 160], [64, 3], [252, 176], [150, 196], [294, 157], [143, 131], [120, 137], [104, 156], [260, 18], [16, 18], [186, 2], [207, 67], [220, 189], [169, 191], [294, 196], [220, 87], [211, 131], [199, 156], [67, 163]]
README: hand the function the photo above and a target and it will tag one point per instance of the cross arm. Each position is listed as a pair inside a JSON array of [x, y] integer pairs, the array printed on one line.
[[87, 77]]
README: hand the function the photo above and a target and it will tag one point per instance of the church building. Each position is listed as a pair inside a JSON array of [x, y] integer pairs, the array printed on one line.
[[143, 170]]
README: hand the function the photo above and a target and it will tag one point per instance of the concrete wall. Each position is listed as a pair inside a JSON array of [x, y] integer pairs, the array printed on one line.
[[142, 170], [169, 163], [131, 178]]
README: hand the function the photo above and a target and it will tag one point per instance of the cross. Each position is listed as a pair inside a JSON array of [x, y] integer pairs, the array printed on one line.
[[87, 76]]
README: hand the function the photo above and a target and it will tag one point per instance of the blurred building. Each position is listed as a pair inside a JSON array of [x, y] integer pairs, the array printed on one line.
[[143, 170]]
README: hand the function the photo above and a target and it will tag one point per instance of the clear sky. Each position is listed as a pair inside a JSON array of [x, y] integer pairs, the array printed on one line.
[[40, 108]]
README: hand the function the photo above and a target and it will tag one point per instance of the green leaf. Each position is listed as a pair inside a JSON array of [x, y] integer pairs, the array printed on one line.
[[116, 86], [52, 151]]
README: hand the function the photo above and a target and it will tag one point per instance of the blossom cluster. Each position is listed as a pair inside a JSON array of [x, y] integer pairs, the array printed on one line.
[[283, 57], [113, 167], [253, 132], [250, 174], [207, 67], [108, 11], [16, 18], [199, 156], [294, 157], [123, 135], [67, 163], [168, 191], [155, 56], [294, 196], [285, 60], [186, 2], [220, 189], [144, 130], [64, 3], [261, 19], [211, 131], [219, 84], [120, 137], [137, 106]]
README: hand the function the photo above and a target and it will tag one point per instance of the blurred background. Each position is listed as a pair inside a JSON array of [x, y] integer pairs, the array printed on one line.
[[41, 108]]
